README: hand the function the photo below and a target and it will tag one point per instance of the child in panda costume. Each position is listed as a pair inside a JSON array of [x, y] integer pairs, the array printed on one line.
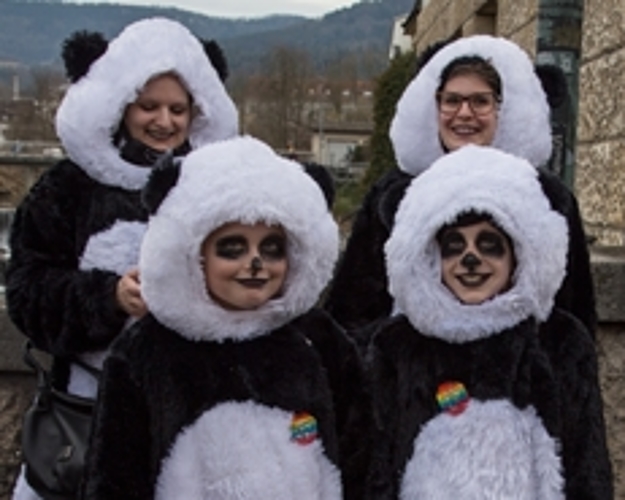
[[481, 390], [233, 387], [76, 235]]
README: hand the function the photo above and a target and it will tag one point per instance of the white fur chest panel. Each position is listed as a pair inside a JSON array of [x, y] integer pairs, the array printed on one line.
[[491, 451], [246, 451], [116, 249]]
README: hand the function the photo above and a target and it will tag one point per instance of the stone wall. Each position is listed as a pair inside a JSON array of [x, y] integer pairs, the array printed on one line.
[[600, 172]]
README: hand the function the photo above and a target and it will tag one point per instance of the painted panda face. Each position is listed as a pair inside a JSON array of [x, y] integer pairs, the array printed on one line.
[[477, 261], [244, 265], [161, 114]]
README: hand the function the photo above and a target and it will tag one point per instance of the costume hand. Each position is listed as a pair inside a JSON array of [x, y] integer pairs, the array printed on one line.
[[129, 294]]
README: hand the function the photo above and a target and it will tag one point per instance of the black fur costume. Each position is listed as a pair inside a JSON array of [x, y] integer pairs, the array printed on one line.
[[201, 402], [359, 292], [489, 401]]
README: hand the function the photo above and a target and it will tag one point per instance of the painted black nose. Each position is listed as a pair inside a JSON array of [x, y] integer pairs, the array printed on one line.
[[256, 265], [470, 261]]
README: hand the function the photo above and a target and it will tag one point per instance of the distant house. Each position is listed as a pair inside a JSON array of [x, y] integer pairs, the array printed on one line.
[[332, 145], [401, 40]]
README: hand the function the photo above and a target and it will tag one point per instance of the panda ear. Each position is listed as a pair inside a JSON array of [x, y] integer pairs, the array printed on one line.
[[390, 200], [554, 84], [216, 57], [322, 177], [163, 177], [429, 52], [79, 52]]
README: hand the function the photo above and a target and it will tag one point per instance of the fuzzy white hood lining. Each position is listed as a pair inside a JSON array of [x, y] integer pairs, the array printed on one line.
[[523, 129], [93, 107], [490, 181], [237, 180]]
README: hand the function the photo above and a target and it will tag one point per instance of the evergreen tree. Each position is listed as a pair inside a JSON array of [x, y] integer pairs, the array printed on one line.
[[389, 88]]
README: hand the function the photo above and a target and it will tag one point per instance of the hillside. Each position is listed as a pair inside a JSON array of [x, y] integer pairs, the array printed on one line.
[[31, 33]]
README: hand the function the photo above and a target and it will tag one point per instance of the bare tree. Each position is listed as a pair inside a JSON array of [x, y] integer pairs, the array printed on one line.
[[281, 94]]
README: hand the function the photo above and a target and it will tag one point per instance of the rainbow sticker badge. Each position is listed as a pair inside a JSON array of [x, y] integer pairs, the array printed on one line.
[[303, 428], [452, 397]]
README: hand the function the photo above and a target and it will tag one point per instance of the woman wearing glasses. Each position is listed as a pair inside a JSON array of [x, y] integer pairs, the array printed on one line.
[[476, 90]]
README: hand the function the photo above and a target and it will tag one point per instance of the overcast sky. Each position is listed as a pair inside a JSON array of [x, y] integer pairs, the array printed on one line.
[[244, 8]]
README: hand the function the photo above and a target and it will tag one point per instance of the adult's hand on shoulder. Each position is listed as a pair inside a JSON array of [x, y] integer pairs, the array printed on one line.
[[129, 294]]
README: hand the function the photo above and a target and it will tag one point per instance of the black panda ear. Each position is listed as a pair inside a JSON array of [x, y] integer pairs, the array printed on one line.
[[390, 200], [429, 52], [79, 52], [163, 177], [322, 177], [217, 58], [554, 84]]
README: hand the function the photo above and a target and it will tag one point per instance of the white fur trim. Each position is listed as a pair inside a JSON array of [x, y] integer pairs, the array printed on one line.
[[93, 107], [491, 451], [523, 129], [115, 249], [243, 451], [506, 187], [237, 180]]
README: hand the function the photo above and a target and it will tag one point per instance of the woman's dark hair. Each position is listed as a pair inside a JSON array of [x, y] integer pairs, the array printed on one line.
[[473, 65]]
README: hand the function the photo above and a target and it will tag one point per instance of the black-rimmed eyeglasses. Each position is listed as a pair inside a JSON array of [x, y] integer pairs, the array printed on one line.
[[481, 103]]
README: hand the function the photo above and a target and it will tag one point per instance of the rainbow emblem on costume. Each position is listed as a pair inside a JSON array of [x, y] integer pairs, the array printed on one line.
[[303, 428], [452, 397]]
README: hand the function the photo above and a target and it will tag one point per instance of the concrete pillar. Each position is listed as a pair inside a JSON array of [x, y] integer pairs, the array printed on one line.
[[559, 42]]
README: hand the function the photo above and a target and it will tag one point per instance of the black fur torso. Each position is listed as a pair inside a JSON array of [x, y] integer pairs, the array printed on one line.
[[552, 370], [158, 383]]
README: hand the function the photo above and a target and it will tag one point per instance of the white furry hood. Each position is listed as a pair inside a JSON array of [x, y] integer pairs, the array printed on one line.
[[523, 129], [93, 107], [489, 181], [237, 180]]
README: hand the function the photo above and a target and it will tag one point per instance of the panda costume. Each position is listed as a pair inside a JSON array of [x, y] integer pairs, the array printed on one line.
[[496, 400], [203, 402], [79, 228], [359, 294]]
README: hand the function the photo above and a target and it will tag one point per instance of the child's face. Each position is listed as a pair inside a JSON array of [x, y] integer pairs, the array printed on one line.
[[244, 265], [477, 261]]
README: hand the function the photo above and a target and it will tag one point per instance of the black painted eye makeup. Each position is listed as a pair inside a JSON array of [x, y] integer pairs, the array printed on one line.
[[273, 247], [452, 243], [231, 247], [491, 243]]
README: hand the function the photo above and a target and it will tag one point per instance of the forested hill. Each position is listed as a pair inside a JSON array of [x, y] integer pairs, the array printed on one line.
[[31, 32]]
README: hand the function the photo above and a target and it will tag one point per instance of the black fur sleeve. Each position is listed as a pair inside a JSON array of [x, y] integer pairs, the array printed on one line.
[[382, 479], [118, 462], [358, 293], [344, 369], [587, 468], [576, 295], [62, 309]]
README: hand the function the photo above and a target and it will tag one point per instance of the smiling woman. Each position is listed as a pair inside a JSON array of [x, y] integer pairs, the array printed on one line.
[[155, 88], [161, 114]]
